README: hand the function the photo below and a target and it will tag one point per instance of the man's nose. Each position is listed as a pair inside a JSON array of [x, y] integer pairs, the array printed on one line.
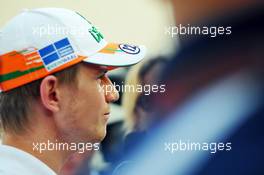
[[111, 93]]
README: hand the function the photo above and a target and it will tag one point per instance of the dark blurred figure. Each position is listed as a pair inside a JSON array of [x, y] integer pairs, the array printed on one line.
[[232, 63], [214, 93], [139, 113]]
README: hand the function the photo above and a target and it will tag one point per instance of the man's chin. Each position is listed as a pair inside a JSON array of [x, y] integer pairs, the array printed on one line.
[[100, 136]]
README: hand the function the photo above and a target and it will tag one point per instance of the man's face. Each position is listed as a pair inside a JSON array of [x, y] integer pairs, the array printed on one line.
[[85, 108]]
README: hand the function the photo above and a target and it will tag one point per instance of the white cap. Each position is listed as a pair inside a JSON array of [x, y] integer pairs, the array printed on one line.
[[60, 37]]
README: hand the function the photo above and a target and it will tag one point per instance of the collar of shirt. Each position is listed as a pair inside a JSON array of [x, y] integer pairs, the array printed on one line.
[[14, 161]]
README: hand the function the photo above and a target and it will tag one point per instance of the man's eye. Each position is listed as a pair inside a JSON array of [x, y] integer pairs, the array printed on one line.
[[100, 78]]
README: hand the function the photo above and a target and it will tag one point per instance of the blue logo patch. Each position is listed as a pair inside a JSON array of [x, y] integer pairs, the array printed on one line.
[[130, 49], [57, 54]]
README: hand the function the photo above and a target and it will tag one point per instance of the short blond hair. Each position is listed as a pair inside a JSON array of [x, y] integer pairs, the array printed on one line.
[[15, 104]]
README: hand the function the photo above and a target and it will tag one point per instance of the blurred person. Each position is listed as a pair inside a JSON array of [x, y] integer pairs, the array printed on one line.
[[54, 99], [134, 104], [214, 94], [139, 114], [203, 59]]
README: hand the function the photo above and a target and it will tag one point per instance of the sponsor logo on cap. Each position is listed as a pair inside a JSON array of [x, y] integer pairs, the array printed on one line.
[[57, 54], [96, 34], [130, 49]]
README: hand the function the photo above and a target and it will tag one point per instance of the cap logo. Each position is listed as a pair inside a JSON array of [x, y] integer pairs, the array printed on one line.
[[130, 49], [96, 34], [57, 54]]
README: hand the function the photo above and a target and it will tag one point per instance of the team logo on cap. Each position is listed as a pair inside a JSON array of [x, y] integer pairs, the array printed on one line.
[[96, 34], [130, 49], [57, 54]]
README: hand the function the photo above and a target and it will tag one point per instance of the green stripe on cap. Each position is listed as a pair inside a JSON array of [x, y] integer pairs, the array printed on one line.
[[16, 74]]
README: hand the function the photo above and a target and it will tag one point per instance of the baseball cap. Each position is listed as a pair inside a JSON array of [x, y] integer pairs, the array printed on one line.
[[39, 42]]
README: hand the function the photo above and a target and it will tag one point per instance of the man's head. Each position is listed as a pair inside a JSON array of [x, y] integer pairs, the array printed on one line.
[[74, 98], [58, 76]]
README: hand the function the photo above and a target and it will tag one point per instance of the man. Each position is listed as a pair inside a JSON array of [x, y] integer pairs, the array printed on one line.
[[55, 92]]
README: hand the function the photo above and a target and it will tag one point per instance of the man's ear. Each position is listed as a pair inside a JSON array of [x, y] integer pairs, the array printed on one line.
[[49, 93]]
